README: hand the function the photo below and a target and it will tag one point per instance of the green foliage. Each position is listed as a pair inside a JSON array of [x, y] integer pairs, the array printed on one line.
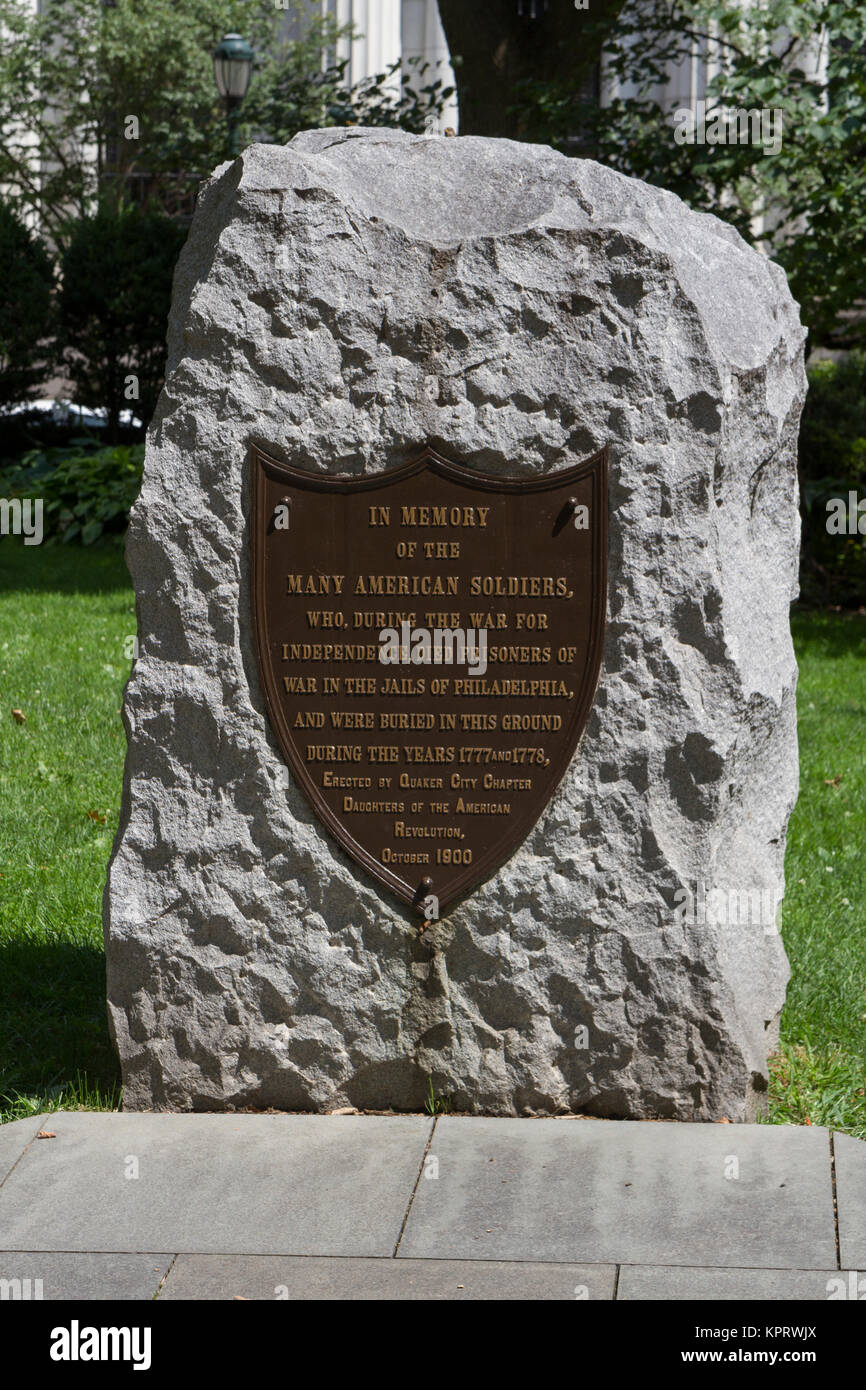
[[811, 195], [85, 495], [295, 92], [154, 62], [436, 1105], [832, 456], [135, 81], [833, 431], [100, 64], [114, 302], [409, 101], [26, 317]]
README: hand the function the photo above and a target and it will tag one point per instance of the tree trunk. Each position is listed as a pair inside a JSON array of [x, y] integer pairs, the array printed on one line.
[[498, 47]]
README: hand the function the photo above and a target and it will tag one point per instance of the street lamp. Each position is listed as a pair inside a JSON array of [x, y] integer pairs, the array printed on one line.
[[233, 68]]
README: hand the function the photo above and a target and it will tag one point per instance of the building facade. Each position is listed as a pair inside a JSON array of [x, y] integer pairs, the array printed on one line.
[[394, 31]]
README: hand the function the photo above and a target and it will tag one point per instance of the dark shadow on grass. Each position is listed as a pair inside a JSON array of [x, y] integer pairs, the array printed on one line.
[[64, 569], [822, 633], [53, 1023]]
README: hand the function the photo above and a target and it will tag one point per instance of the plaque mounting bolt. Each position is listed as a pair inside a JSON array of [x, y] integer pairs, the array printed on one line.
[[422, 891]]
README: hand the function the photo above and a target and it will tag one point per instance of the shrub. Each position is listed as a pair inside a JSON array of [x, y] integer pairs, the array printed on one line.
[[86, 495], [114, 302], [832, 456], [26, 311]]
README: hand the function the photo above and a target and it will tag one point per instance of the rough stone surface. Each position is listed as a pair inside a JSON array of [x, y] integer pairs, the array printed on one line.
[[343, 301]]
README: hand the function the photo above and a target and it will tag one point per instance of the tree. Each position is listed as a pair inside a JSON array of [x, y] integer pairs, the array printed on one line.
[[26, 317], [802, 196], [116, 290], [97, 100], [501, 44], [90, 94], [298, 91]]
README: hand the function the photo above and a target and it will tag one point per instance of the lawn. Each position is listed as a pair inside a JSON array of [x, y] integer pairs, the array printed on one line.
[[65, 615], [819, 1075]]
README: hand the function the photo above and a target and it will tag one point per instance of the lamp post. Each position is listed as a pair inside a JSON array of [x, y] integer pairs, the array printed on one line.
[[233, 68]]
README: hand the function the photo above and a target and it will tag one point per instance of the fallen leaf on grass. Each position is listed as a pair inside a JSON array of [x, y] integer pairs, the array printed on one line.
[[46, 1134], [94, 815], [19, 716], [833, 781]]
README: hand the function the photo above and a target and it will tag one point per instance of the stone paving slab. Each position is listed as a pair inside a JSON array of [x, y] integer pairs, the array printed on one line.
[[270, 1277], [265, 1184], [640, 1193], [673, 1283], [851, 1199], [14, 1139], [540, 1205], [56, 1274]]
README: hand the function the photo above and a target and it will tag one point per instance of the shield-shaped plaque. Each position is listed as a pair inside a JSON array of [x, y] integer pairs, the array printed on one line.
[[429, 641]]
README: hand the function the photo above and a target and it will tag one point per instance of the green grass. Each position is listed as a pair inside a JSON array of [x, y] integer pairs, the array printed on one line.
[[819, 1075], [64, 615]]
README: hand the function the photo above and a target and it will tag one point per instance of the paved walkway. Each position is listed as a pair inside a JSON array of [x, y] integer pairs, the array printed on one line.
[[402, 1206]]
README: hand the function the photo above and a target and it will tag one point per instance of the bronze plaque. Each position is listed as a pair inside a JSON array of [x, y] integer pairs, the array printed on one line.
[[429, 641]]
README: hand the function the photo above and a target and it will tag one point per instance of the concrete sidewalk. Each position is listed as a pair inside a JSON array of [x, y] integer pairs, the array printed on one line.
[[402, 1206]]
